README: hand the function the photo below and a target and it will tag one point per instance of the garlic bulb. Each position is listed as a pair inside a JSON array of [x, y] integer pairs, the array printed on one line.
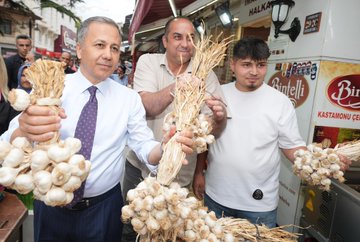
[[87, 170], [14, 158], [24, 183], [59, 153], [73, 144], [22, 143], [72, 184], [7, 175], [69, 197], [43, 181], [55, 196], [5, 148], [19, 99], [61, 173], [39, 160], [78, 164]]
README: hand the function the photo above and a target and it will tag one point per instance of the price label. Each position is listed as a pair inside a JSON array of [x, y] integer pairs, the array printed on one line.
[[312, 23]]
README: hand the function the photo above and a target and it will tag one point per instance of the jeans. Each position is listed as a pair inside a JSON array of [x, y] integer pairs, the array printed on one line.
[[267, 218]]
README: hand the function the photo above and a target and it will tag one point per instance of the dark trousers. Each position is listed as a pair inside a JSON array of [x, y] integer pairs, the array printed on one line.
[[132, 178], [100, 222]]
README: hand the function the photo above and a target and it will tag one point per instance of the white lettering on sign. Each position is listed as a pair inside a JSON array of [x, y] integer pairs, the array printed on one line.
[[289, 90], [346, 90]]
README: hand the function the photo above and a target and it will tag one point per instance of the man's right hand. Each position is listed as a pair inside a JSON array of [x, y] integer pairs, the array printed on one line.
[[39, 123], [199, 185]]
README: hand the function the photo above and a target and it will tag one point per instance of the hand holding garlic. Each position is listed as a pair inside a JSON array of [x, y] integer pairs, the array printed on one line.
[[40, 123], [50, 167], [316, 165]]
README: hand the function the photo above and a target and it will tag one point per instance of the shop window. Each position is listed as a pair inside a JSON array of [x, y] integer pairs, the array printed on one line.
[[5, 26]]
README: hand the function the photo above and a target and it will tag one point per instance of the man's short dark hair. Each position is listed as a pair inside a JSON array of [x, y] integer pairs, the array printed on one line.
[[167, 25], [23, 36], [251, 47]]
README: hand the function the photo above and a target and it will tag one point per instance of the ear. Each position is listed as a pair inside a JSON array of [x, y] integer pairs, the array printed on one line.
[[78, 50], [232, 65], [164, 41]]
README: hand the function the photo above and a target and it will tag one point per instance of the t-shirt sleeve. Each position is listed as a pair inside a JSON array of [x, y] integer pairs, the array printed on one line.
[[289, 136], [145, 77]]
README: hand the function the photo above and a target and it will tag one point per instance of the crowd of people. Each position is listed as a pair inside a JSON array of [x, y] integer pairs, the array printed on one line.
[[239, 175]]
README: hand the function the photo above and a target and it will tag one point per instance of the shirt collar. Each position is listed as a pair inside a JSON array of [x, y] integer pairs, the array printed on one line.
[[82, 84], [164, 63]]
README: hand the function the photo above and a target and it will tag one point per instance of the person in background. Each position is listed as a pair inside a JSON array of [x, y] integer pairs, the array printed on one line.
[[30, 57], [7, 113], [242, 175], [66, 58], [154, 80], [120, 75], [131, 78], [97, 217], [72, 65], [13, 63], [23, 83]]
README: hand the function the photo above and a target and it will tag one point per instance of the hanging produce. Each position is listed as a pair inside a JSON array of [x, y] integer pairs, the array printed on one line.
[[52, 170], [316, 166], [189, 97], [159, 213]]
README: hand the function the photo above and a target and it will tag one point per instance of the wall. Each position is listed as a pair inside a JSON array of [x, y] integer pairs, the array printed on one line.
[[337, 38]]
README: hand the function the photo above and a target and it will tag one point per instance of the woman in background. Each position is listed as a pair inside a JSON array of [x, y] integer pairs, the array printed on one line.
[[23, 83], [7, 113]]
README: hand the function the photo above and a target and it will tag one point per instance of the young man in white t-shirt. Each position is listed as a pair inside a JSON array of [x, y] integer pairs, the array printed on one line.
[[242, 177]]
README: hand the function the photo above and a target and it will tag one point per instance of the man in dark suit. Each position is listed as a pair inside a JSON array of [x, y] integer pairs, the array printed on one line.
[[13, 63]]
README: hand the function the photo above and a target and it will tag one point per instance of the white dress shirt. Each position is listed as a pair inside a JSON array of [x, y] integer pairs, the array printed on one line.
[[120, 121]]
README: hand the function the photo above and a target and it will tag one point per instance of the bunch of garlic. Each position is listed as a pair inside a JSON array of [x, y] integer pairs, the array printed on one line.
[[52, 172], [14, 160], [317, 166], [159, 213], [201, 127]]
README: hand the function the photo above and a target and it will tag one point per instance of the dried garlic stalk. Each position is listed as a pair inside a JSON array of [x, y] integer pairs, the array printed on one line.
[[189, 97], [351, 150], [47, 79]]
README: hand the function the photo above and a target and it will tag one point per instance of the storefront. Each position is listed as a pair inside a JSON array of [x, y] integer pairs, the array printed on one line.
[[66, 41]]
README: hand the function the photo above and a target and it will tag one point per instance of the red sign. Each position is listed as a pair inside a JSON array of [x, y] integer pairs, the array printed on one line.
[[344, 91]]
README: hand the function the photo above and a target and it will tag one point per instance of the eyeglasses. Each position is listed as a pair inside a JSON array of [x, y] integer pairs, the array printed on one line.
[[24, 45]]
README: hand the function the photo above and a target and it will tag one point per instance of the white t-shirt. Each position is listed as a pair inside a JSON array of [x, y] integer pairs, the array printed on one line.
[[246, 156]]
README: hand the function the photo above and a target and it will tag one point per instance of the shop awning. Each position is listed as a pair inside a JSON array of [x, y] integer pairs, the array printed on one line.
[[148, 11]]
